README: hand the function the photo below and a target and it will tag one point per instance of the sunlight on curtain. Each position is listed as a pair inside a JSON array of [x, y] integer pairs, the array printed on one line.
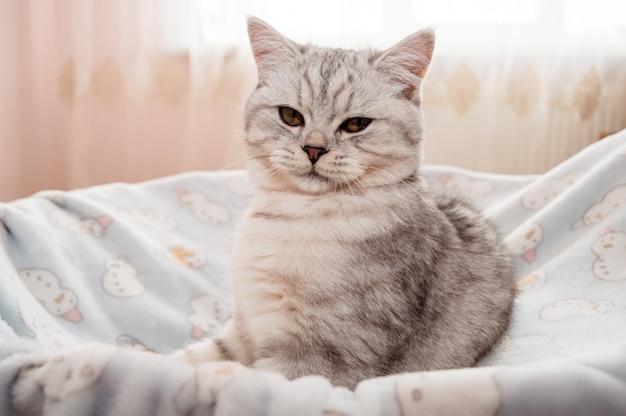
[[127, 90], [481, 23]]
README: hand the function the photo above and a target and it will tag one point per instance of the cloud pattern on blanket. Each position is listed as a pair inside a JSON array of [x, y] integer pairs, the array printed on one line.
[[46, 288], [544, 192], [208, 315], [129, 253], [610, 247], [145, 268], [524, 241], [614, 200], [121, 279]]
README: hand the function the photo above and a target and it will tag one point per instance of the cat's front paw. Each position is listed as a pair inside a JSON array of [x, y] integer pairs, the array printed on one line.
[[200, 352]]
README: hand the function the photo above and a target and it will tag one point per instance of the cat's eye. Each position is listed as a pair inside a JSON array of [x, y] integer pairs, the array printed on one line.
[[290, 117], [355, 124]]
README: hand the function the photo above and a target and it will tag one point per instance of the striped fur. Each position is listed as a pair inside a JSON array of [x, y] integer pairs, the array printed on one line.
[[350, 267]]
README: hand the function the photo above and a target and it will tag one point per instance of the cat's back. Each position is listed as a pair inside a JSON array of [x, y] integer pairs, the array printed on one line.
[[476, 248], [470, 224]]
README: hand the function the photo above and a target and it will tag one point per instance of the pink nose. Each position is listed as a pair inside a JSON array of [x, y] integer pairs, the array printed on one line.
[[314, 152]]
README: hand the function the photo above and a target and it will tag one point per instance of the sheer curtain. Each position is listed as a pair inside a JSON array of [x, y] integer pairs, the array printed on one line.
[[97, 91], [519, 86]]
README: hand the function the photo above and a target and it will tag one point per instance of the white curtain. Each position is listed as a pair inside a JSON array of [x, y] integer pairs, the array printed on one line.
[[96, 91]]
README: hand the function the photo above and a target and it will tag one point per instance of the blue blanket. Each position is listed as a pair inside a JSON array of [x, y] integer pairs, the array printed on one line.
[[97, 285]]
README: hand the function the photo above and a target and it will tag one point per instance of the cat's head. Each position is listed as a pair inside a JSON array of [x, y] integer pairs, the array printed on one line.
[[327, 120]]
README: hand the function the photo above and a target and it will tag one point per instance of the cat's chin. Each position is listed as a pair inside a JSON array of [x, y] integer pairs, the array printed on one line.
[[317, 183], [314, 183], [310, 183]]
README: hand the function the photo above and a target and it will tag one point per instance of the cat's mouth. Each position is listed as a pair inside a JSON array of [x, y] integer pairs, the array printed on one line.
[[315, 176], [313, 173], [312, 181]]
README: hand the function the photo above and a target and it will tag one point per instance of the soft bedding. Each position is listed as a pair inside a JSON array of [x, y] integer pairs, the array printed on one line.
[[97, 285]]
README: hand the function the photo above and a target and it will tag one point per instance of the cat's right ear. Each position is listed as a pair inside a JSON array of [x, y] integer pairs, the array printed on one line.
[[269, 47]]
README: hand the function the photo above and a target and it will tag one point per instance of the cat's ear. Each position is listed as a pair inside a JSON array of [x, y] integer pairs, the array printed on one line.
[[408, 60], [269, 47]]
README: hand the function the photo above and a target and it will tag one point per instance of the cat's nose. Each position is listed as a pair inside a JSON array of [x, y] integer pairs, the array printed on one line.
[[314, 152]]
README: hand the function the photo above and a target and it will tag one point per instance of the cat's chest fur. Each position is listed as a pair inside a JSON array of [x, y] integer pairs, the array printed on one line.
[[294, 252]]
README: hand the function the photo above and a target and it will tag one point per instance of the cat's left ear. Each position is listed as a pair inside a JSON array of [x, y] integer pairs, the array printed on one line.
[[408, 60]]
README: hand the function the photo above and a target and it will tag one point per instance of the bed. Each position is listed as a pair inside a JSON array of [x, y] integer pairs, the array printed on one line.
[[98, 285]]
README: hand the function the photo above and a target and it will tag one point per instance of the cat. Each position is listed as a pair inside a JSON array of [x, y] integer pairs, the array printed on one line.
[[346, 265]]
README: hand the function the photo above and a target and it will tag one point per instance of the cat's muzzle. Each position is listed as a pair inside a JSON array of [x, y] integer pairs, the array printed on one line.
[[314, 153]]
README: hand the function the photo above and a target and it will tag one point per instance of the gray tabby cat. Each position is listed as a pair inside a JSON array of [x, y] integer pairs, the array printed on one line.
[[346, 264]]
